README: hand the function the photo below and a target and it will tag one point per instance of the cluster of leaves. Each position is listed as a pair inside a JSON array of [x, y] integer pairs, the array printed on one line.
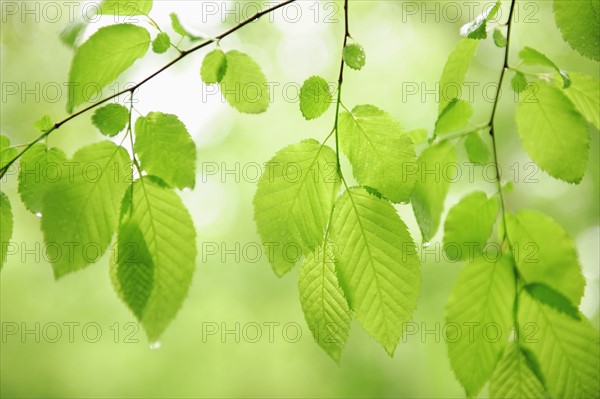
[[536, 283], [104, 190], [358, 257]]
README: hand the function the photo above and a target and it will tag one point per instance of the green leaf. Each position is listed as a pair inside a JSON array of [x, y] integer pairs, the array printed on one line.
[[455, 116], [354, 56], [552, 298], [553, 133], [4, 143], [111, 119], [178, 28], [531, 56], [585, 95], [7, 153], [514, 378], [482, 296], [44, 124], [80, 211], [126, 8], [469, 224], [293, 201], [155, 258], [381, 153], [518, 82], [377, 265], [432, 187], [102, 58], [455, 70], [132, 265], [166, 149], [244, 85], [478, 151], [568, 350], [71, 33], [315, 97], [418, 136], [323, 302], [39, 169], [477, 29], [499, 39], [6, 227], [579, 24], [161, 43], [214, 67], [545, 254]]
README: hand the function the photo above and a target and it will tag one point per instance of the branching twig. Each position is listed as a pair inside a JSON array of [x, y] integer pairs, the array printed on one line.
[[339, 90], [181, 56], [505, 67], [519, 279]]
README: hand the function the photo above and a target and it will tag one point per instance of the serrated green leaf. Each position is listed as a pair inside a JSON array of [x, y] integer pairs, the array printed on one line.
[[552, 298], [7, 153], [214, 67], [579, 24], [482, 296], [244, 85], [478, 151], [80, 211], [111, 119], [553, 133], [44, 124], [132, 265], [544, 253], [6, 227], [178, 28], [584, 92], [354, 56], [514, 378], [126, 8], [161, 43], [102, 58], [376, 264], [454, 117], [315, 97], [431, 187], [323, 302], [519, 82], [531, 56], [293, 201], [39, 168], [155, 259], [166, 149], [455, 70], [568, 350], [176, 24], [381, 153], [499, 39], [468, 226], [477, 29]]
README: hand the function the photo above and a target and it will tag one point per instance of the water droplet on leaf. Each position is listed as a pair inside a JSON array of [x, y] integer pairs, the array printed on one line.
[[154, 345]]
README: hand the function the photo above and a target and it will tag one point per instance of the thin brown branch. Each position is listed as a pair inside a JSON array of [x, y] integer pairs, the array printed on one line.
[[132, 89]]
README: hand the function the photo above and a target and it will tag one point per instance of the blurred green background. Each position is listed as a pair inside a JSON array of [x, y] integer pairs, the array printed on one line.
[[406, 45]]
